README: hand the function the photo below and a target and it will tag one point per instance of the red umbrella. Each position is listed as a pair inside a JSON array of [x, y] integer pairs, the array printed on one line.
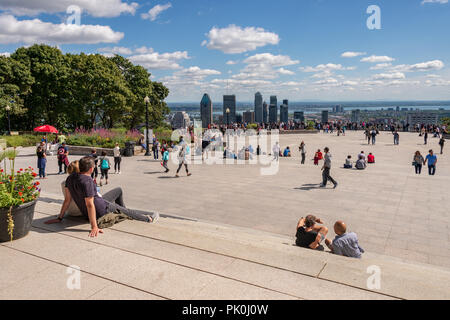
[[46, 128]]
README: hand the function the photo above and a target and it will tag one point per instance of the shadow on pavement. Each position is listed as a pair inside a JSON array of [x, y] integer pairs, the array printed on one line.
[[308, 187]]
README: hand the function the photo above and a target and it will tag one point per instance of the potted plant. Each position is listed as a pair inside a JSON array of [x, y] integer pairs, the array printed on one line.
[[18, 196]]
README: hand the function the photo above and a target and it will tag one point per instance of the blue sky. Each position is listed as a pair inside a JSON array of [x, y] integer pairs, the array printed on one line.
[[296, 49]]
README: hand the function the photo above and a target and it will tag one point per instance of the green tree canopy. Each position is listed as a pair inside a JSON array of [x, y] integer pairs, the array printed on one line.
[[74, 90]]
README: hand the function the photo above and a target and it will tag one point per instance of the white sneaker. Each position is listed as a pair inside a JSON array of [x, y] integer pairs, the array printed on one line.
[[120, 172]]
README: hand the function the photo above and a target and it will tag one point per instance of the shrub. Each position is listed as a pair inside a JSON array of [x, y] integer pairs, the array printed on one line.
[[16, 187]]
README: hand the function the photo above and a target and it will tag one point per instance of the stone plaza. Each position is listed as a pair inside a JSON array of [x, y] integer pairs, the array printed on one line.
[[396, 213]]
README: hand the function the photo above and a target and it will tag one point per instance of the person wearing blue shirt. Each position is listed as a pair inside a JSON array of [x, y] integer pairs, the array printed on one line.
[[432, 160], [287, 152], [344, 244]]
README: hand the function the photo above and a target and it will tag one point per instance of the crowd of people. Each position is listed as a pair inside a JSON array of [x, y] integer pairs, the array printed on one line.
[[83, 198]]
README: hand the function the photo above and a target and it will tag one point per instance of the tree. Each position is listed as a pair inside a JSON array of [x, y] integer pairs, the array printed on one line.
[[47, 66], [15, 82], [138, 81], [74, 90]]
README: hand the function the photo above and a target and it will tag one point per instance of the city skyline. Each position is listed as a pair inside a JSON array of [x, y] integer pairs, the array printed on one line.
[[318, 50]]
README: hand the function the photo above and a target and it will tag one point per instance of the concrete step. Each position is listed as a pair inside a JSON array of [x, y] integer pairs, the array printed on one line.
[[264, 259]]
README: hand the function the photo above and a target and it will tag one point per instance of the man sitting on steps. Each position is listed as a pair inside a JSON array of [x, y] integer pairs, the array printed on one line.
[[81, 188], [344, 244]]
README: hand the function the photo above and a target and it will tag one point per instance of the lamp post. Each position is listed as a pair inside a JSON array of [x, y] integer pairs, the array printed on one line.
[[147, 141], [8, 108], [228, 116]]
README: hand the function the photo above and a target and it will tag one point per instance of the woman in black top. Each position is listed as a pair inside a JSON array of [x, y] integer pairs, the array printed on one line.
[[42, 161], [309, 235]]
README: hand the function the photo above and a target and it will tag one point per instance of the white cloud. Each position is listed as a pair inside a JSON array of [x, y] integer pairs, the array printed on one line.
[[104, 8], [377, 59], [351, 54], [327, 82], [380, 66], [270, 60], [231, 62], [329, 67], [285, 71], [234, 39], [189, 77], [162, 61], [437, 83], [434, 1], [37, 31], [116, 50], [262, 66], [110, 51], [154, 12], [423, 66], [389, 76], [349, 83], [5, 54], [143, 50]]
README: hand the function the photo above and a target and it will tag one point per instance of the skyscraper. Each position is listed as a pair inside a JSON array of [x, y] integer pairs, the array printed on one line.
[[248, 117], [324, 116], [273, 100], [258, 108], [286, 102], [265, 112], [284, 113], [206, 111], [273, 113], [273, 110], [229, 102]]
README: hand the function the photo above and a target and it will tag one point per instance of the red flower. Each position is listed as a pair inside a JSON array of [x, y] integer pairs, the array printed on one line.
[[38, 183], [34, 174], [21, 169], [23, 200], [20, 193], [1, 170]]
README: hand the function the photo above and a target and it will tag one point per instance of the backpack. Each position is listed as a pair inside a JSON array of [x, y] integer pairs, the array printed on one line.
[[105, 164], [61, 152]]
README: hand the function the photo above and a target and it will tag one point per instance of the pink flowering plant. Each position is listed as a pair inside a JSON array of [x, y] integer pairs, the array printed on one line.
[[16, 187]]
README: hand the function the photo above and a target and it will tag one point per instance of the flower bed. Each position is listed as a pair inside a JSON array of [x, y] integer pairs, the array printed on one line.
[[16, 187]]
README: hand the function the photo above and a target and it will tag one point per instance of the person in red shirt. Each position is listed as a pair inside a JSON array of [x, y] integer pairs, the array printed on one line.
[[371, 158], [318, 156]]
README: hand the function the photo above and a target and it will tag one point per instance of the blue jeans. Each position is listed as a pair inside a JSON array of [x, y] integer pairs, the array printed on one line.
[[431, 169]]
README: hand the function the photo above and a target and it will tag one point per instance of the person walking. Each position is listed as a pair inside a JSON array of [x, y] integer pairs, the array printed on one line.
[[183, 150], [117, 159], [326, 170], [276, 151], [302, 151], [94, 155], [105, 165], [373, 134], [432, 160], [165, 160], [396, 138], [425, 137], [155, 149], [442, 143], [63, 159], [42, 161], [418, 161]]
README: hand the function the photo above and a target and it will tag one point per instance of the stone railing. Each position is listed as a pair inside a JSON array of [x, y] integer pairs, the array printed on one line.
[[298, 131], [85, 151]]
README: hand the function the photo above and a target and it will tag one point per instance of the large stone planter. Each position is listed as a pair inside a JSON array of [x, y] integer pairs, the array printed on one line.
[[22, 216]]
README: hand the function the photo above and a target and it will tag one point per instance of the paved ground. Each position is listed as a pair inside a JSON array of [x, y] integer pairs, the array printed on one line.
[[192, 260], [394, 212]]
